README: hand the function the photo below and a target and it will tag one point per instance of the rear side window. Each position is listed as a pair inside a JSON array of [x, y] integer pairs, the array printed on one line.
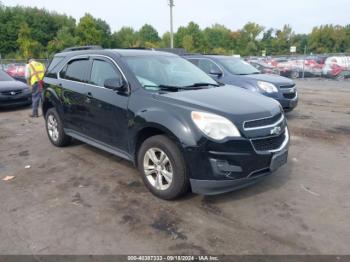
[[101, 71], [208, 66], [54, 67], [194, 61], [76, 70]]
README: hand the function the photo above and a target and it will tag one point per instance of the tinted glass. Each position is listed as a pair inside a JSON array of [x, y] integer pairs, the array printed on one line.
[[208, 66], [54, 66], [194, 61], [237, 66], [101, 71], [76, 70], [155, 71], [5, 77]]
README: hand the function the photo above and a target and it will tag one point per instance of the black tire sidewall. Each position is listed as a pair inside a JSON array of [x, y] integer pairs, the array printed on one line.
[[180, 180]]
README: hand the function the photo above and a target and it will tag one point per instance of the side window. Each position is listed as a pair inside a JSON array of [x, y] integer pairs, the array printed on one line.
[[194, 61], [101, 71], [207, 66], [76, 70]]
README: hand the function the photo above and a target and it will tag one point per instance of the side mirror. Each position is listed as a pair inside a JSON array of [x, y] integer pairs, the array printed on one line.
[[216, 73], [117, 84]]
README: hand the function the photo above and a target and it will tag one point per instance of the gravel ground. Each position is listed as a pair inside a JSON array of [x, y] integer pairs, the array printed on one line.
[[80, 200]]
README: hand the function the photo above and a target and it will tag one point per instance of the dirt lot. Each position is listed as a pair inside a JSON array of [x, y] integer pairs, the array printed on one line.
[[80, 200]]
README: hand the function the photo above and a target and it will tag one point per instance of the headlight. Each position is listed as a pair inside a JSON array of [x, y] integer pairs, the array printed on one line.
[[214, 126], [267, 87]]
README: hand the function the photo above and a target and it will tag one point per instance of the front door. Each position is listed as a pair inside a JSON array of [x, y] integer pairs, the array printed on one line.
[[108, 120]]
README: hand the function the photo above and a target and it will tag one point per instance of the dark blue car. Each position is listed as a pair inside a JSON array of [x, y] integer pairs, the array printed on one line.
[[234, 71]]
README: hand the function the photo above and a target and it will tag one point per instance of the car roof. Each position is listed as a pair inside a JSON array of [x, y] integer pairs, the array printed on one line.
[[210, 56], [119, 52]]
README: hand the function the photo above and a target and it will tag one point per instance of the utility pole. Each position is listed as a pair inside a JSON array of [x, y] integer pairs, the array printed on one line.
[[171, 4]]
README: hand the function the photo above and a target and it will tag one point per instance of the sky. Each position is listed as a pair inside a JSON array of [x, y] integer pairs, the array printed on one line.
[[302, 15]]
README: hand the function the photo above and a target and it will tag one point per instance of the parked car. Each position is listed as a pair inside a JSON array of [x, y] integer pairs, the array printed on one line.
[[337, 67], [13, 92], [159, 111], [300, 67], [17, 71], [234, 71], [264, 68]]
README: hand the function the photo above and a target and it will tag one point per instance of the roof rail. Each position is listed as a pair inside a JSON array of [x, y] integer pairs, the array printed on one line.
[[189, 54], [80, 48]]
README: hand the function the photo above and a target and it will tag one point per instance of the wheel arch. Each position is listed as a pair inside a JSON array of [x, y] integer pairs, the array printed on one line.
[[50, 99]]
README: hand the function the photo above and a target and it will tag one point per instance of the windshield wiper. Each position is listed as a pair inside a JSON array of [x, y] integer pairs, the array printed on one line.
[[165, 87], [177, 88], [201, 85]]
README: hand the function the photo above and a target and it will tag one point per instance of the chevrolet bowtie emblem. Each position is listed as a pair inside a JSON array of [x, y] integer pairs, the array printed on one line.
[[276, 130], [13, 93]]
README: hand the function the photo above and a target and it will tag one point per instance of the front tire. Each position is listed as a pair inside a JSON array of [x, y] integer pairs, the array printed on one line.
[[54, 128], [163, 168]]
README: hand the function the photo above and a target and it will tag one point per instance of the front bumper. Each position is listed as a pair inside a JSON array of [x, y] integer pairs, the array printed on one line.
[[288, 98], [16, 100], [233, 165]]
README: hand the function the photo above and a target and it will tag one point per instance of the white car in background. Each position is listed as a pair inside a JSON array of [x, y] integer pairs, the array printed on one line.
[[337, 67]]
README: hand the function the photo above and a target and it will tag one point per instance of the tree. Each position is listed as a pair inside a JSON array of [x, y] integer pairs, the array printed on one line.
[[126, 37], [165, 41], [63, 39], [91, 31], [28, 47], [249, 41], [195, 32], [217, 36], [187, 43], [149, 34]]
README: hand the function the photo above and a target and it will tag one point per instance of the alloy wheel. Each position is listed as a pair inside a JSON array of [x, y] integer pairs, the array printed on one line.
[[52, 127], [158, 169]]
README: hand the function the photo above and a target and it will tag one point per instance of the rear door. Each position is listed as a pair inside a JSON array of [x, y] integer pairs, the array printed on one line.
[[108, 119], [74, 93]]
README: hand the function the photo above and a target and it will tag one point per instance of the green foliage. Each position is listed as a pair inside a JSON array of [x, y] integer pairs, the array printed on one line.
[[91, 31], [149, 34], [33, 32]]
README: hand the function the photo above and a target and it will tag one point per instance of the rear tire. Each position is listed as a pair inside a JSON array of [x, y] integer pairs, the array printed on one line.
[[54, 128], [163, 168]]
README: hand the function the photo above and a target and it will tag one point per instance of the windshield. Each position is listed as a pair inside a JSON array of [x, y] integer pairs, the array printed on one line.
[[4, 76], [160, 72], [237, 66]]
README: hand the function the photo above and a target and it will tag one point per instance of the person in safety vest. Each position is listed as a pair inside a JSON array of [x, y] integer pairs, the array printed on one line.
[[34, 74]]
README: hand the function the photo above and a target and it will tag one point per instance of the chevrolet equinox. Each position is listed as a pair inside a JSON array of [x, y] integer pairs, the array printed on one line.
[[177, 125]]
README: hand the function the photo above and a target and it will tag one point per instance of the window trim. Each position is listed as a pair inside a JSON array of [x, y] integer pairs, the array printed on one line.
[[88, 57], [93, 57], [205, 58], [81, 57]]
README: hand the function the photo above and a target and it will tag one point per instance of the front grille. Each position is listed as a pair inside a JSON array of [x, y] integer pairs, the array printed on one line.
[[270, 143], [12, 93], [288, 86], [263, 121], [290, 95]]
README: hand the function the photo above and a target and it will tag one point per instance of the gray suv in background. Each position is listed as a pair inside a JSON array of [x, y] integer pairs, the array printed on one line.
[[234, 71]]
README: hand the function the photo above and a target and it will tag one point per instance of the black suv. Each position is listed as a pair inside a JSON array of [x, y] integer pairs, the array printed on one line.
[[234, 71], [175, 123]]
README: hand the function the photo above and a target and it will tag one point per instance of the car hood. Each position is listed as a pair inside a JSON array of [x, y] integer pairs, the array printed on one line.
[[233, 102], [274, 79], [11, 85]]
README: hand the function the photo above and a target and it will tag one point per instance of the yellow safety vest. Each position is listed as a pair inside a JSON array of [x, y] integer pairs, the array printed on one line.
[[37, 71]]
